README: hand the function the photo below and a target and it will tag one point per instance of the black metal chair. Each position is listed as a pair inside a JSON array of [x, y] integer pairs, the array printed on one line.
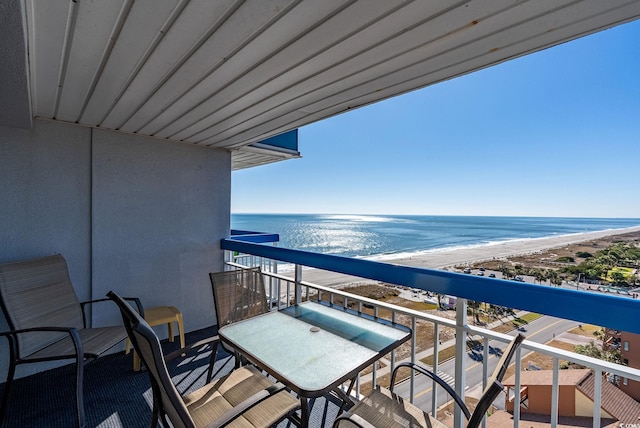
[[383, 408], [237, 294], [243, 398], [47, 321]]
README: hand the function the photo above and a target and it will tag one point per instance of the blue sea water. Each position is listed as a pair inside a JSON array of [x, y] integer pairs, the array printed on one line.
[[381, 235]]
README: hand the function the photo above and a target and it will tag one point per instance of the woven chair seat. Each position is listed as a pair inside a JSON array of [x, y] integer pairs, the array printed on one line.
[[215, 399], [383, 408], [95, 342]]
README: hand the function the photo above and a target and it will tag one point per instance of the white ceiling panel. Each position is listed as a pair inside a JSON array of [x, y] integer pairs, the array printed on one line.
[[46, 41], [229, 73], [246, 23], [417, 50], [295, 49], [89, 39], [193, 26], [132, 47]]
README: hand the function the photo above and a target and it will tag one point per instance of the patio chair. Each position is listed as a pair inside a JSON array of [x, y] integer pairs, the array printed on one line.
[[243, 398], [383, 408], [47, 321], [237, 295]]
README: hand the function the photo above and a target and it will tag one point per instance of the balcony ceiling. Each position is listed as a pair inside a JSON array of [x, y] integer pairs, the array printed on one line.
[[229, 73]]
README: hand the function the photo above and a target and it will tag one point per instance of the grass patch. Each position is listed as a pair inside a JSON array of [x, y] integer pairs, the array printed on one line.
[[517, 322], [587, 330]]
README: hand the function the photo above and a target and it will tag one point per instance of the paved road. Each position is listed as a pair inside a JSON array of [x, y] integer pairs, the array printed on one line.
[[541, 330]]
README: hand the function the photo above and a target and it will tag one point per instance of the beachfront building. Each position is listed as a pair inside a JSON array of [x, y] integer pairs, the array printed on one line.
[[630, 354], [575, 396], [121, 123]]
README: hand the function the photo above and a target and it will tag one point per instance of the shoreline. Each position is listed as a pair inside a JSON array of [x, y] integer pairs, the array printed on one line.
[[504, 250], [471, 255]]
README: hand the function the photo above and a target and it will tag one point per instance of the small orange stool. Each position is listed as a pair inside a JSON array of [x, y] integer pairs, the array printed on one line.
[[156, 316]]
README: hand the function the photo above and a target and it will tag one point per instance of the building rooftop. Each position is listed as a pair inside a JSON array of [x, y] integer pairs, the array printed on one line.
[[545, 377], [614, 401]]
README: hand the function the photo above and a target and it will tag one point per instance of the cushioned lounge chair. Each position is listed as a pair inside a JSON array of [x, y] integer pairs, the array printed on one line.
[[244, 398], [383, 408], [47, 321]]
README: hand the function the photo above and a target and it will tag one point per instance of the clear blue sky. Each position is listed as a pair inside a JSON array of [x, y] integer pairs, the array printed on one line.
[[555, 133]]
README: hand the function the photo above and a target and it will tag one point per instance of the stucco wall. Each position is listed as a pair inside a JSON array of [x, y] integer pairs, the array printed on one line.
[[140, 216], [159, 212], [540, 400], [632, 388]]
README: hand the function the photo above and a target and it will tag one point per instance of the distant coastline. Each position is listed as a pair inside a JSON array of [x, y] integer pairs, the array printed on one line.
[[440, 259], [390, 238], [447, 259]]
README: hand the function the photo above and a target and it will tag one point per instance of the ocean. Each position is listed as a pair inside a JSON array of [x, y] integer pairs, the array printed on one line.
[[382, 236]]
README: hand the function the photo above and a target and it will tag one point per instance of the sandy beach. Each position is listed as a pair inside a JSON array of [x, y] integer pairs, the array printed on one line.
[[472, 255], [444, 259]]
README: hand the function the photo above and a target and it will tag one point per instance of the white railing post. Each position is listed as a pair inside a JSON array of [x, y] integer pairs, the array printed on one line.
[[555, 389], [228, 258], [485, 371], [434, 385], [414, 325], [298, 284], [461, 357], [597, 398], [517, 398]]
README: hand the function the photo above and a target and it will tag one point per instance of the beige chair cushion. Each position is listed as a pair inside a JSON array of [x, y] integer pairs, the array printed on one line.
[[216, 398], [382, 408]]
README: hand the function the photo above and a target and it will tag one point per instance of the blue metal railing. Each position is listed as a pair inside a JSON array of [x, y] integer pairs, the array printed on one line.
[[255, 237], [611, 311]]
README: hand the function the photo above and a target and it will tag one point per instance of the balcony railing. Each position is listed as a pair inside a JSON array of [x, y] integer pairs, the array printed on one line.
[[589, 308]]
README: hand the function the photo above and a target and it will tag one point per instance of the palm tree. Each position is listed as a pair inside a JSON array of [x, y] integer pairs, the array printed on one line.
[[539, 275]]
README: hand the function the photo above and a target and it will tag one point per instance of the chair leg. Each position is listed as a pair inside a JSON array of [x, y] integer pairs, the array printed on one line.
[[212, 361], [154, 415], [79, 387], [7, 388]]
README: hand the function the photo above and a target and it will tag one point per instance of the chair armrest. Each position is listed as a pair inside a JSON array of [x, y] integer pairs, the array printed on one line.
[[214, 340], [72, 331], [354, 419], [90, 302], [248, 403], [436, 378]]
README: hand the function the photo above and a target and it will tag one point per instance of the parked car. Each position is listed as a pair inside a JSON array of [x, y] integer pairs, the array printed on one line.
[[481, 273], [492, 275], [518, 278], [467, 270]]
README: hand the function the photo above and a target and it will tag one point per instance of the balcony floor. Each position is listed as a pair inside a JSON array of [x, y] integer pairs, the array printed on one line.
[[116, 396]]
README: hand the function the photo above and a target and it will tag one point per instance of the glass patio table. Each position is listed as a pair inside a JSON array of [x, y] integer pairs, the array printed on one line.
[[313, 348]]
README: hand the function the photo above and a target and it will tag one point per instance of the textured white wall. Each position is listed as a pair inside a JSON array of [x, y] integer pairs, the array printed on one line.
[[140, 216], [45, 185], [15, 109], [159, 212]]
